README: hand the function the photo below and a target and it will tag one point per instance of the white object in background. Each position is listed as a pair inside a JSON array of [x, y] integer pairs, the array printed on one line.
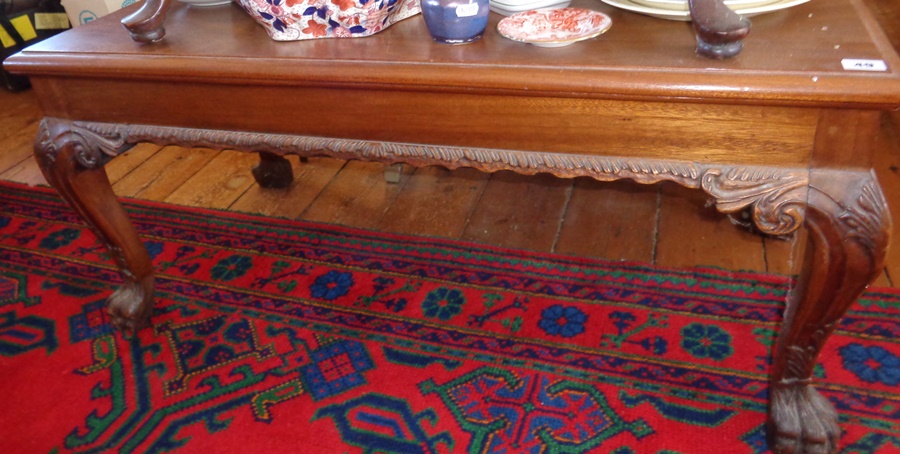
[[510, 7], [205, 2], [682, 5], [857, 64], [81, 12], [669, 14]]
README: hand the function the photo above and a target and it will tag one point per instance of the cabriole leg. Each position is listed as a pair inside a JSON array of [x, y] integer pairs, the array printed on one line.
[[72, 162], [849, 226]]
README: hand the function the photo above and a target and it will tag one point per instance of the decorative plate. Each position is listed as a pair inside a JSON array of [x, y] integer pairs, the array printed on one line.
[[524, 4], [685, 15], [205, 3], [554, 27], [290, 20], [682, 5], [509, 10]]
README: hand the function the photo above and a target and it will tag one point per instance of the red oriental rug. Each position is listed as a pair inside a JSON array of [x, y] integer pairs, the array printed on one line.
[[283, 336]]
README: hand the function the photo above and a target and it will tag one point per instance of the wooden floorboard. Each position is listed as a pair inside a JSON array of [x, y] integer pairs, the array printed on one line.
[[309, 180], [693, 233], [519, 211], [25, 172], [17, 147], [435, 202], [615, 220], [357, 196], [125, 163], [223, 180], [16, 113], [155, 174]]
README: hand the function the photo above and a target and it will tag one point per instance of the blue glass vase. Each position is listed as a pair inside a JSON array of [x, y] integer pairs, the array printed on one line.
[[455, 21]]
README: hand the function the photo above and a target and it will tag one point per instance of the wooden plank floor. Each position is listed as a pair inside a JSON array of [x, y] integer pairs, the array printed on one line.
[[663, 224]]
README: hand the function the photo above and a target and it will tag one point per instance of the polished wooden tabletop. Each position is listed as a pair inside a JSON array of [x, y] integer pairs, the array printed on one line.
[[791, 57]]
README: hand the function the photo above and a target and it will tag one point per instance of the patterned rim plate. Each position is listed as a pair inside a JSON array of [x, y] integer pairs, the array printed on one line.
[[527, 4], [206, 2], [682, 5], [510, 10], [555, 27], [661, 13]]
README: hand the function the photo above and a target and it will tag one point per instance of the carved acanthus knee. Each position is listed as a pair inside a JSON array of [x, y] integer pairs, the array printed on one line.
[[776, 198], [90, 150]]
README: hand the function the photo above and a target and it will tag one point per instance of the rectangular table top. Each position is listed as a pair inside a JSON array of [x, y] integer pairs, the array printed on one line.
[[792, 57]]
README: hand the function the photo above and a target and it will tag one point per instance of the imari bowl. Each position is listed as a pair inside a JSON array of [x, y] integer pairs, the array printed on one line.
[[291, 20]]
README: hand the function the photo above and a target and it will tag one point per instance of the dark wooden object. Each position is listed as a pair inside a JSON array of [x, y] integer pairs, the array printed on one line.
[[273, 171], [783, 132], [720, 31], [146, 24]]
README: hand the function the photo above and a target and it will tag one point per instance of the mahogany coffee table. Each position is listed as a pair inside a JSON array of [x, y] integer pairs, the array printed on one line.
[[783, 130]]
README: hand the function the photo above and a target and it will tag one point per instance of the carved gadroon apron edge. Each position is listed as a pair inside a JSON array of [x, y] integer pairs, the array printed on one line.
[[776, 198]]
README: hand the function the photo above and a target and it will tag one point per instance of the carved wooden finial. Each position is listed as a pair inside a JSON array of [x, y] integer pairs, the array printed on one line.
[[146, 24], [720, 31]]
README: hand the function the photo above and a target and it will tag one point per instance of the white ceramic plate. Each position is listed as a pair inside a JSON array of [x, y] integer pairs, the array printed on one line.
[[205, 2], [554, 27], [510, 10], [529, 4], [686, 15], [682, 5]]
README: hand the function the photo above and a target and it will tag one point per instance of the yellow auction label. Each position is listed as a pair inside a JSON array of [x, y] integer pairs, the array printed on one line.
[[50, 21], [5, 39], [22, 24]]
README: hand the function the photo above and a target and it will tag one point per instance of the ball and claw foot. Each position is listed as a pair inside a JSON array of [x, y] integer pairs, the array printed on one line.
[[273, 171], [130, 306], [801, 421]]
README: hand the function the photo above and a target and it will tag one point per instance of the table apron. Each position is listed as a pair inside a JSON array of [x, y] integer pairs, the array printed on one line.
[[685, 131]]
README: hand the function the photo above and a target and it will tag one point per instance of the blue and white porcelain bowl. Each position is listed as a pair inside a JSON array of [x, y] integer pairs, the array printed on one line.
[[291, 20]]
